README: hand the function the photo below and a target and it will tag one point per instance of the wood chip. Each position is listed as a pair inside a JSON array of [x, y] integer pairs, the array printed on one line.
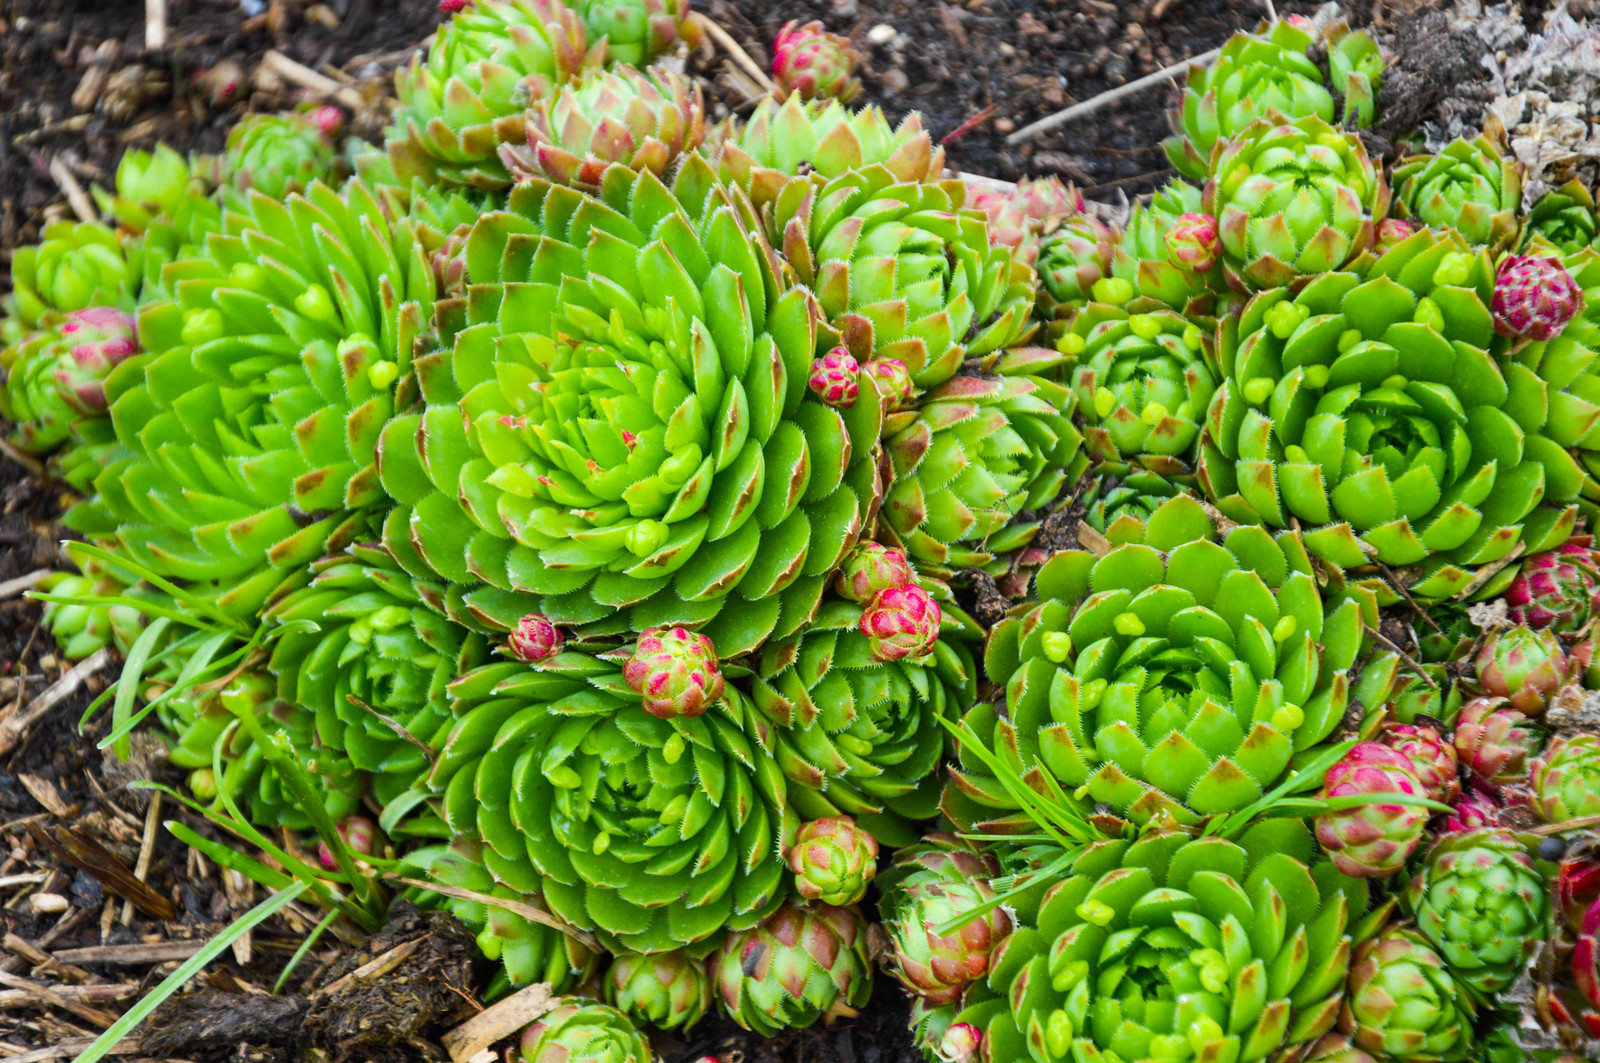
[[497, 1022], [13, 729], [88, 1012], [44, 791], [305, 77], [131, 955], [82, 205], [734, 49], [155, 25], [128, 1046], [147, 845]]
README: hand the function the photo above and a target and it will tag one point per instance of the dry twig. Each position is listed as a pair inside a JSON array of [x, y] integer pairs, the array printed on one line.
[[305, 77], [12, 729], [82, 206], [13, 587], [503, 1019], [155, 25], [147, 846], [735, 51]]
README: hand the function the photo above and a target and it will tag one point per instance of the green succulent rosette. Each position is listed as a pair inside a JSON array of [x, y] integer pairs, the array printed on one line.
[[636, 31], [247, 431], [1403, 1002], [1470, 186], [74, 265], [218, 735], [974, 453], [81, 626], [1565, 218], [1143, 383], [782, 140], [471, 93], [1367, 409], [857, 736], [367, 649], [1270, 74], [148, 185], [276, 154], [1176, 948], [655, 834], [1071, 261], [528, 950], [581, 1031], [804, 963], [619, 432], [1292, 199], [1480, 901], [1173, 679], [1141, 261], [1120, 506], [670, 990], [902, 271]]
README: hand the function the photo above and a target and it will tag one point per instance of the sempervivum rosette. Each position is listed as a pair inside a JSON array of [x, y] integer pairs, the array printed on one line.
[[1566, 778], [637, 31], [246, 433], [780, 140], [377, 652], [148, 185], [974, 453], [581, 1031], [1145, 263], [471, 93], [902, 272], [626, 424], [528, 950], [940, 882], [1565, 218], [1471, 186], [643, 120], [1071, 261], [816, 64], [55, 375], [655, 833], [74, 265], [670, 989], [1175, 948], [858, 735], [803, 963], [1479, 900], [1367, 409], [1174, 677], [1143, 384], [1268, 74], [275, 154], [1293, 199], [1558, 589], [1403, 1002]]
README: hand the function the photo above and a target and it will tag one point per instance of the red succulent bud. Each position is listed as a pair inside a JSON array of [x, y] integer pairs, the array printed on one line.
[[675, 671], [535, 638], [833, 378], [1372, 840], [901, 622], [871, 568], [1534, 297]]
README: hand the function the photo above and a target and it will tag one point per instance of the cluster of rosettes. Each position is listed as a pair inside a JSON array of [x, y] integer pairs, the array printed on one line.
[[605, 497]]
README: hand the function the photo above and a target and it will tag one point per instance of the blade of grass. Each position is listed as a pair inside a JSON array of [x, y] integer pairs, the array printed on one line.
[[128, 682], [75, 548], [305, 946], [152, 1000]]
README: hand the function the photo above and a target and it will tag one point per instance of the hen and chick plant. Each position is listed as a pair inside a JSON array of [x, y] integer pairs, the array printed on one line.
[[654, 525]]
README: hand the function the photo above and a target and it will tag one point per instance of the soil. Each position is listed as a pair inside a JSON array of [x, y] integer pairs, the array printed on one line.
[[78, 87]]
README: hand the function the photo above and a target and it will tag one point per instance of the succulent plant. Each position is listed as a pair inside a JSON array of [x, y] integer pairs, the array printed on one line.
[[805, 962], [670, 990], [836, 378], [1071, 261], [641, 120], [636, 31], [1566, 778], [902, 272], [1433, 759], [816, 64], [1360, 406], [675, 672], [148, 184], [79, 626], [1120, 506], [857, 735], [1372, 840], [1174, 678], [656, 834], [871, 568], [276, 155], [900, 623], [933, 884], [1564, 218], [75, 265], [528, 950], [1143, 384], [1392, 232], [1580, 1009], [358, 834], [470, 95], [1193, 243], [1472, 811], [367, 649], [784, 138], [1478, 899], [1268, 74], [1142, 951], [247, 431], [976, 452], [1144, 263], [1009, 227], [56, 374], [833, 860], [1404, 1003], [1292, 198], [535, 638], [1336, 1048], [1495, 741], [576, 1030], [1524, 666], [1470, 186], [1534, 297], [675, 473], [1558, 590]]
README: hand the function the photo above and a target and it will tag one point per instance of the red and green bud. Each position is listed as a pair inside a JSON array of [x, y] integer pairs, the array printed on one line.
[[1193, 243], [1566, 778], [360, 836], [1534, 297], [535, 639], [675, 671], [1558, 589], [834, 378], [1432, 758], [96, 340], [1524, 666], [833, 860], [894, 381], [871, 569], [1495, 741], [813, 62], [1372, 840], [901, 622]]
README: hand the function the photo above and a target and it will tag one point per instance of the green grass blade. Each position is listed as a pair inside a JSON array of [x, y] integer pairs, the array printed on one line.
[[175, 981], [305, 947], [128, 682]]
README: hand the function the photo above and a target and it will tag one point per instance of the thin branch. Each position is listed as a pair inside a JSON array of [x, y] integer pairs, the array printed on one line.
[[307, 78], [1095, 103], [13, 587], [82, 206], [734, 50], [1387, 643], [12, 730]]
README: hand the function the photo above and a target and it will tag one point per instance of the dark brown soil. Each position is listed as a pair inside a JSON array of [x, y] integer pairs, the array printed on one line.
[[977, 69]]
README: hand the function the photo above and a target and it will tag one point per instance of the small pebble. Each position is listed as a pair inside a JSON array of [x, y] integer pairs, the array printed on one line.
[[1004, 125], [1552, 848], [895, 80], [881, 34], [1006, 50], [48, 903]]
